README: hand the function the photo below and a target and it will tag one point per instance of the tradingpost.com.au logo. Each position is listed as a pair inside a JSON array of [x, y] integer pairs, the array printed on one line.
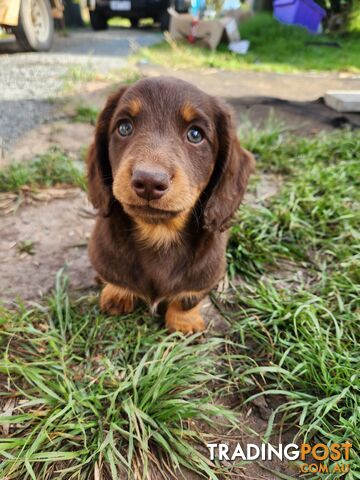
[[311, 456]]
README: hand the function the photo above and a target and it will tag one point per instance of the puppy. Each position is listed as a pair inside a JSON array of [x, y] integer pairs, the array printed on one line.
[[166, 173]]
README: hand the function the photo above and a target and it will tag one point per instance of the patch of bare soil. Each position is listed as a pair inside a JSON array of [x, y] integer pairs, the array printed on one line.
[[94, 93], [40, 239], [301, 87], [71, 138]]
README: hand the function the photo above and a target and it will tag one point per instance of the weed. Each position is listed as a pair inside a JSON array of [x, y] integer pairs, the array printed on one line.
[[26, 246], [77, 75], [86, 114], [49, 169]]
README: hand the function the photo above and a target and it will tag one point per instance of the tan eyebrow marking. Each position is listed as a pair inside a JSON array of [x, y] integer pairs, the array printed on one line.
[[134, 106], [188, 112]]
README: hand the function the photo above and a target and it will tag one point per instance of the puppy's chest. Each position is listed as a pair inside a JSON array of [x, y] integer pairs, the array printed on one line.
[[185, 267], [163, 272], [156, 273]]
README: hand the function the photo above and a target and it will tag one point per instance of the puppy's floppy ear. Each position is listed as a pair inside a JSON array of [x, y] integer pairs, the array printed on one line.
[[99, 172], [230, 176]]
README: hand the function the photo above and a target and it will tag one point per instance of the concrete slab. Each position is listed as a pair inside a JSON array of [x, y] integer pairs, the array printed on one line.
[[343, 101]]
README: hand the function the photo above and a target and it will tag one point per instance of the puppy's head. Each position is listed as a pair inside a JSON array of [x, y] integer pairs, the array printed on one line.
[[163, 146]]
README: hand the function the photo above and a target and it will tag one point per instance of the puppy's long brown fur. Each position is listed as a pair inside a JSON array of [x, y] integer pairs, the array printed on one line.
[[168, 246]]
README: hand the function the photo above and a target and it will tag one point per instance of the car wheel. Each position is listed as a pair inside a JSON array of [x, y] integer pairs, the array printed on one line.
[[98, 20], [35, 30], [164, 20], [134, 22]]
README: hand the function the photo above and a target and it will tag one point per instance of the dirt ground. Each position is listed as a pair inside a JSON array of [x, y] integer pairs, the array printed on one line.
[[298, 87], [58, 231]]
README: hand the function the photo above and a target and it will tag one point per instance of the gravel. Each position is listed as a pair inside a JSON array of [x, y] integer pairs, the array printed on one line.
[[30, 81]]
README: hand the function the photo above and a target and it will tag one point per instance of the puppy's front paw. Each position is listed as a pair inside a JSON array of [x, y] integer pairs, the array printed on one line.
[[116, 300], [189, 321]]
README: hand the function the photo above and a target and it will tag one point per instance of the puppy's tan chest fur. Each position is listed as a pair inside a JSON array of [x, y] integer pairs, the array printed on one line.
[[161, 235]]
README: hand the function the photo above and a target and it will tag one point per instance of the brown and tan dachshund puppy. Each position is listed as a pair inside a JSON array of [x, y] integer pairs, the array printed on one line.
[[166, 173]]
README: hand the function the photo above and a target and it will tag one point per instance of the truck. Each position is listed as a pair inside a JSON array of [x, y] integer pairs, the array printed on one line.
[[32, 22], [102, 10]]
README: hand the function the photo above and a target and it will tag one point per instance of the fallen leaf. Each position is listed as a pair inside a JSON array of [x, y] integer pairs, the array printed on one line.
[[7, 412]]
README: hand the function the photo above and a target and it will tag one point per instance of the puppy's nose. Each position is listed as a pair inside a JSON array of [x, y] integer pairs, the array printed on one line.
[[150, 185]]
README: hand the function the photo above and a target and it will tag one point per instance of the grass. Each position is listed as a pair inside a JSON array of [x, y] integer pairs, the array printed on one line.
[[26, 246], [53, 168], [302, 322], [315, 217], [86, 114], [273, 48], [77, 75], [125, 22], [96, 398], [4, 35], [88, 396]]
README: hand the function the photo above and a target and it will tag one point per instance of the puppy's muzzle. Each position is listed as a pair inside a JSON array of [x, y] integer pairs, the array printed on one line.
[[150, 185]]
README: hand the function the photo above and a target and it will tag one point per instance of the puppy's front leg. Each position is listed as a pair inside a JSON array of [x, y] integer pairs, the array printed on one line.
[[183, 314], [116, 300]]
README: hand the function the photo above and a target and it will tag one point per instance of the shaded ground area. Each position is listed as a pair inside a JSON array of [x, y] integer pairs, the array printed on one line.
[[307, 118]]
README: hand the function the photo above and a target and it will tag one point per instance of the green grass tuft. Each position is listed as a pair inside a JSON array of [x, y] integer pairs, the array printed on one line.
[[77, 75], [47, 170], [95, 393], [86, 114]]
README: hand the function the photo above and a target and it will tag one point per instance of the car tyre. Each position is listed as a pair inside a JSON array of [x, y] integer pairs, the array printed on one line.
[[35, 29], [134, 22], [164, 20], [98, 20]]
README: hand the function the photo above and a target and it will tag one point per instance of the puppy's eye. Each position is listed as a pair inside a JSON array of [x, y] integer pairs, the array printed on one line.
[[194, 135], [125, 128]]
